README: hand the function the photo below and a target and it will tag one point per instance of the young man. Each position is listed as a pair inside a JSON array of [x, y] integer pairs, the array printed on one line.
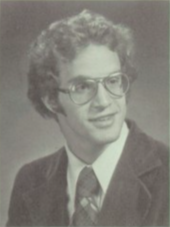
[[109, 173]]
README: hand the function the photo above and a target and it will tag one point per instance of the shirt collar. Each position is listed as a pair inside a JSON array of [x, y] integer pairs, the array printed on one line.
[[104, 165]]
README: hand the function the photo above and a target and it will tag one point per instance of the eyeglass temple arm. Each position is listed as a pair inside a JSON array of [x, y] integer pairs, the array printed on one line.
[[66, 91]]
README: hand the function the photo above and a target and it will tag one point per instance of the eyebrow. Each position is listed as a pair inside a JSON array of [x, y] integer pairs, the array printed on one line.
[[81, 77]]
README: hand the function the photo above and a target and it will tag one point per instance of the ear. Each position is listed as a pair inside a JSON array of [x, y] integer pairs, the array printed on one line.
[[50, 105], [55, 107]]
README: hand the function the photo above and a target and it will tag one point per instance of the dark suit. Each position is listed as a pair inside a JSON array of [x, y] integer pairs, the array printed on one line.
[[137, 194]]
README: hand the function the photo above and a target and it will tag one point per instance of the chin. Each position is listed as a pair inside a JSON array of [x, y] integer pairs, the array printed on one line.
[[106, 138]]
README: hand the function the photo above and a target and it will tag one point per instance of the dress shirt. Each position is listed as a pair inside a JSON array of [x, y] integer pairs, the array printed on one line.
[[104, 167]]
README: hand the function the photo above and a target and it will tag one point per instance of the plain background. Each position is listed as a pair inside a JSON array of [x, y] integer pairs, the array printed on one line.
[[24, 135]]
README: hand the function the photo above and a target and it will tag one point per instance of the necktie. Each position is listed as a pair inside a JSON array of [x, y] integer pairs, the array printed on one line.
[[85, 206]]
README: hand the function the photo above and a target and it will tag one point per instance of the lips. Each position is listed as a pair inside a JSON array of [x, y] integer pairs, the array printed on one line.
[[102, 118], [103, 122]]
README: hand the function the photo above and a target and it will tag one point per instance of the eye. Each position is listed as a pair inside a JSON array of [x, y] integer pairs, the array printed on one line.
[[82, 86], [114, 80]]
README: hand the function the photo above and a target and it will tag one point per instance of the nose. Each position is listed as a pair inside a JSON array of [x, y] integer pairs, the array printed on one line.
[[102, 98]]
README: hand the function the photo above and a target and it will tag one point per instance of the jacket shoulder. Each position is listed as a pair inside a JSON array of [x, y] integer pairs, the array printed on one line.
[[145, 152], [160, 150], [146, 144], [35, 173], [29, 177]]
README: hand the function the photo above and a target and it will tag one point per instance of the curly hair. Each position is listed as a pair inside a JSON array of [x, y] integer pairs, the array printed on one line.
[[62, 41]]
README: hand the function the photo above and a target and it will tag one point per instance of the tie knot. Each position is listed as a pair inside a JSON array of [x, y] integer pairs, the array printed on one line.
[[87, 183]]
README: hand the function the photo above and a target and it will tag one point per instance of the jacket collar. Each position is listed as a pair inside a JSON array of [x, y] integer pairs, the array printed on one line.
[[47, 204]]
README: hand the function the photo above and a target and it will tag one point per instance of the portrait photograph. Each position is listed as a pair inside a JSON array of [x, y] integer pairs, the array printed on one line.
[[84, 113]]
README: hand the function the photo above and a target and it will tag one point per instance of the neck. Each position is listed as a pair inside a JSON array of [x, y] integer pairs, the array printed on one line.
[[86, 152]]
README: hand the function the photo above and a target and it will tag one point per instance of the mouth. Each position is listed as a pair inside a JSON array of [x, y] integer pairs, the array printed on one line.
[[103, 118]]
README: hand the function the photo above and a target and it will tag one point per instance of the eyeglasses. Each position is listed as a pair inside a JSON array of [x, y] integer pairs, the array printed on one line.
[[82, 90]]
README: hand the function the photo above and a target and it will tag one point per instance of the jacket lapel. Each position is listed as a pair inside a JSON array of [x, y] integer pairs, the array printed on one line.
[[47, 204], [128, 197]]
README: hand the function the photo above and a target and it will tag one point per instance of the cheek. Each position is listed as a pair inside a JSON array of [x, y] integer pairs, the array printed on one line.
[[122, 103], [74, 113], [77, 115]]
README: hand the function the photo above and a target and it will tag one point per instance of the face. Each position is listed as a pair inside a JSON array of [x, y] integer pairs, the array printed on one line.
[[100, 120]]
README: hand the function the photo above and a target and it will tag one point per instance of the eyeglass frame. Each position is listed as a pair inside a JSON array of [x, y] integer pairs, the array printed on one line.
[[96, 80]]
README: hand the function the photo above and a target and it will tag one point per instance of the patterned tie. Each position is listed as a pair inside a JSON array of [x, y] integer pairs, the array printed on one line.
[[85, 205]]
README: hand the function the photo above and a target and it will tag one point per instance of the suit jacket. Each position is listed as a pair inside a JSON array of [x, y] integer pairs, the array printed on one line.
[[137, 194]]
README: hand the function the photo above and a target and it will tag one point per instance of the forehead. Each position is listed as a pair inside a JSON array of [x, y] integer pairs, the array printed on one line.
[[93, 61]]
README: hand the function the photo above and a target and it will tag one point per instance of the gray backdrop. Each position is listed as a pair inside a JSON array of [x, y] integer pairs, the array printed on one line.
[[24, 135]]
